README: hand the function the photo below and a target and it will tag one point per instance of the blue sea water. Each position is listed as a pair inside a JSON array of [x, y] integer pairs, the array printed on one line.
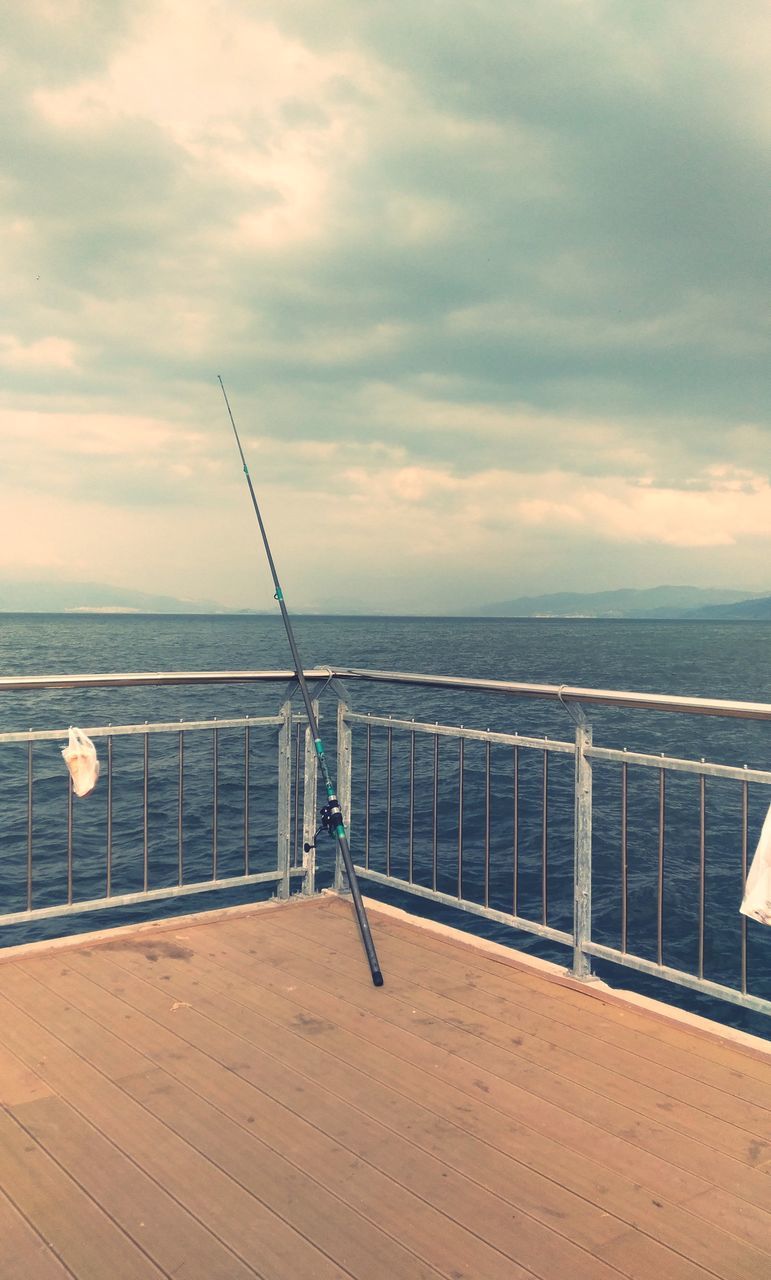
[[729, 660]]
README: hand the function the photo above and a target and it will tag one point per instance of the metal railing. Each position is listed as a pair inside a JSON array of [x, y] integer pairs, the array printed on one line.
[[595, 848], [62, 858], [668, 874]]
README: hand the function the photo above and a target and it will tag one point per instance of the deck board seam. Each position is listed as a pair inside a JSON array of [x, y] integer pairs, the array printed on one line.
[[541, 1039], [587, 1089], [36, 1231], [145, 1172], [152, 1064], [116, 1083], [624, 1223], [610, 1004], [101, 1209], [383, 1173], [413, 938], [408, 1067]]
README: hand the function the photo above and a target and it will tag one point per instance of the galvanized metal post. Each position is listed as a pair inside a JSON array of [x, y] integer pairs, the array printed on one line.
[[310, 807], [284, 824], [343, 786], [582, 864]]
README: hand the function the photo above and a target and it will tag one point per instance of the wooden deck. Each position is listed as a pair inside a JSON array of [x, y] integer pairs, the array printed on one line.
[[230, 1097]]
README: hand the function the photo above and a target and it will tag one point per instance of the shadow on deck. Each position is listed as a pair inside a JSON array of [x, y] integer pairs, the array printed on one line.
[[227, 1096]]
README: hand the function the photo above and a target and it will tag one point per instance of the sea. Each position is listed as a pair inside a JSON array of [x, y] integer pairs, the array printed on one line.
[[725, 660]]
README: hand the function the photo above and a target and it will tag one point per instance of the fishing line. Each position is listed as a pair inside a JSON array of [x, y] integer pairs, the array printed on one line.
[[331, 814]]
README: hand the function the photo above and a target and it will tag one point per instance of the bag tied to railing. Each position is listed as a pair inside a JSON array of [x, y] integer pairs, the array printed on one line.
[[757, 894], [81, 760]]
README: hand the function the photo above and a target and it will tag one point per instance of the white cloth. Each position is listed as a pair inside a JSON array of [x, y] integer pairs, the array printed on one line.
[[757, 893]]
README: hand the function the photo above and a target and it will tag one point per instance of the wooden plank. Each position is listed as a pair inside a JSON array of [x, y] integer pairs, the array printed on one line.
[[687, 1233], [743, 1220], [82, 1235], [345, 1228], [18, 1083], [713, 1115], [289, 1192], [502, 994], [172, 1237], [282, 1079], [336, 1085], [24, 1255], [255, 1234], [613, 1015], [687, 1150], [371, 1193], [700, 1237]]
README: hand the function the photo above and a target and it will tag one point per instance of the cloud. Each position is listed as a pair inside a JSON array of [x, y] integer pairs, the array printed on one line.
[[470, 284]]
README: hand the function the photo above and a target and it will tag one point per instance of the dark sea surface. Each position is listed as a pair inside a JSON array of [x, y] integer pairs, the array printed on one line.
[[727, 660]]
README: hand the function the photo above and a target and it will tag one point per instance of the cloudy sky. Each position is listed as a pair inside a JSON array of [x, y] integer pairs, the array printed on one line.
[[487, 283]]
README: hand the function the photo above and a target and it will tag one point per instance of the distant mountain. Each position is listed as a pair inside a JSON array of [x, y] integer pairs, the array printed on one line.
[[90, 597], [651, 602], [757, 609]]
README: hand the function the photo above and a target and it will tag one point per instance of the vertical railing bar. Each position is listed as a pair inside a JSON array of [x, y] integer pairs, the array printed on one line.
[[624, 856], [515, 850], [109, 816], [411, 846], [488, 754], [367, 785], [29, 825], [310, 803], [247, 746], [702, 868], [181, 807], [296, 797], [283, 824], [69, 841], [545, 839], [145, 813], [389, 790], [582, 839], [344, 786], [215, 801], [660, 887], [435, 816], [745, 839], [461, 757]]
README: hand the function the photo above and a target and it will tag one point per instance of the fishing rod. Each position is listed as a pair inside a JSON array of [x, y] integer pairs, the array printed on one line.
[[331, 814]]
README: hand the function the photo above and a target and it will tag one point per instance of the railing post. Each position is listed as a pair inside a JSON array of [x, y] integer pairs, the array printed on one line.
[[582, 856], [310, 805], [284, 824], [343, 786]]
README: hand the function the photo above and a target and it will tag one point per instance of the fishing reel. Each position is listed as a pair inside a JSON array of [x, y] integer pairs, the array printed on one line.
[[331, 819]]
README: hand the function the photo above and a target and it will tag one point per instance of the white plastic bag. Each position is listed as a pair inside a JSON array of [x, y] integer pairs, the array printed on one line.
[[80, 758], [757, 894]]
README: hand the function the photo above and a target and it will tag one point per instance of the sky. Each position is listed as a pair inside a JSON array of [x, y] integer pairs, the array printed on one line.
[[487, 285]]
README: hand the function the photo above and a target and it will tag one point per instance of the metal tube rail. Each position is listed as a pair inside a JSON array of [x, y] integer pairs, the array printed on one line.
[[75, 907], [132, 679], [628, 699], [122, 730], [568, 693]]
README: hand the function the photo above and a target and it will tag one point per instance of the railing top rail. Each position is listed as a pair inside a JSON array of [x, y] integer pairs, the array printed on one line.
[[511, 688], [568, 693], [130, 679]]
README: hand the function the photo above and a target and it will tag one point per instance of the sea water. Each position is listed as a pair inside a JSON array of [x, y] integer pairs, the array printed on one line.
[[727, 660]]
